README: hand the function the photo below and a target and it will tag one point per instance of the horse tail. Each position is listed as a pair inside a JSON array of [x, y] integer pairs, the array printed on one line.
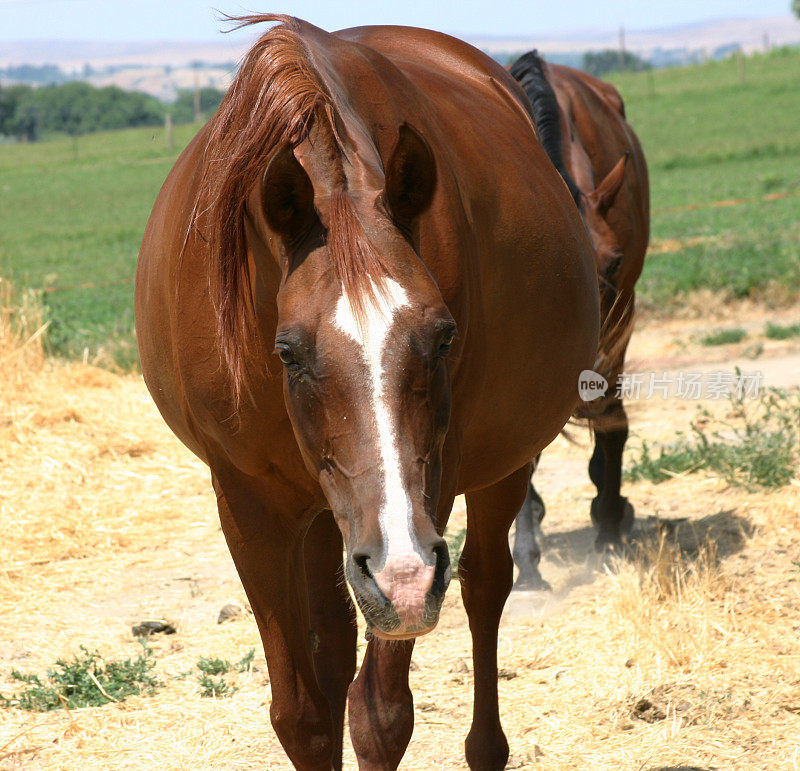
[[528, 71], [603, 414]]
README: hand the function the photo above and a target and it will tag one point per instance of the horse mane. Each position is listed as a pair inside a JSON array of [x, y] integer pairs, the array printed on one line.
[[617, 323], [528, 71], [273, 101]]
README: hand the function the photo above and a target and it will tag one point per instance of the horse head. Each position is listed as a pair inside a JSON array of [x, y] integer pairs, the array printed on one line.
[[595, 208], [363, 335]]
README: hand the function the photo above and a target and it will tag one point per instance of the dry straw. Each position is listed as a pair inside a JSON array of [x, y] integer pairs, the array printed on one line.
[[685, 654], [21, 332]]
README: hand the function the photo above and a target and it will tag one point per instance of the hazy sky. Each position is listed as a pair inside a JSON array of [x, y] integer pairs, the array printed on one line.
[[128, 20]]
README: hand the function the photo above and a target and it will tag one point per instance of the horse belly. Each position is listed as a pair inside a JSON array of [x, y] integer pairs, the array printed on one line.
[[540, 330]]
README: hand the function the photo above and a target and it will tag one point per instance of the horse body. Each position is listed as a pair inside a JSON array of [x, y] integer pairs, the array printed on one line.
[[397, 196], [583, 129]]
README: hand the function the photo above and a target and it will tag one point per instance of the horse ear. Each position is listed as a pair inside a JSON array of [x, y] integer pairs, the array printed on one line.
[[287, 195], [603, 197], [410, 176]]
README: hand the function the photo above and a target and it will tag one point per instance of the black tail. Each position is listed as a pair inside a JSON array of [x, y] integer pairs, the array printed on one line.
[[529, 73]]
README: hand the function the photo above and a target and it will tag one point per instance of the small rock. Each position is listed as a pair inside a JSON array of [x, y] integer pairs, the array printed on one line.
[[230, 612], [630, 662], [507, 674], [147, 628], [645, 710], [518, 760], [413, 666]]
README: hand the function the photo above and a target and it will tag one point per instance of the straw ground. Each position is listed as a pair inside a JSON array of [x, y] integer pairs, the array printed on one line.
[[685, 655]]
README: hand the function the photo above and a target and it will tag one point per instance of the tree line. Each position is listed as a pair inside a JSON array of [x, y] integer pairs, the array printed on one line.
[[78, 108], [600, 63]]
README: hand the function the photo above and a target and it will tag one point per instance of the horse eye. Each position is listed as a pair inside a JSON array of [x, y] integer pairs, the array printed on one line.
[[446, 343], [286, 355]]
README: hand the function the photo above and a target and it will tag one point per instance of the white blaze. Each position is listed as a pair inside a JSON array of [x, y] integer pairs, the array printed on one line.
[[371, 336]]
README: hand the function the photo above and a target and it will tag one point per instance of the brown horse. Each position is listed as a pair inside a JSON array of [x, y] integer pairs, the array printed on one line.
[[372, 209], [582, 127]]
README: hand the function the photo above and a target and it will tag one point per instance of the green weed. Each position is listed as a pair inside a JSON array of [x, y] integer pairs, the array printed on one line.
[[212, 666], [455, 545], [212, 682], [85, 681], [215, 687], [677, 458], [778, 332], [724, 337], [759, 447]]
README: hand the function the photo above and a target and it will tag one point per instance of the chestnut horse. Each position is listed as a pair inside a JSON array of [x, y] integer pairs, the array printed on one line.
[[582, 127], [370, 211]]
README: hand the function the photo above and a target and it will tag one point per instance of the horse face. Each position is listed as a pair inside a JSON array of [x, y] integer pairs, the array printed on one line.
[[364, 336], [595, 208], [608, 254], [367, 388]]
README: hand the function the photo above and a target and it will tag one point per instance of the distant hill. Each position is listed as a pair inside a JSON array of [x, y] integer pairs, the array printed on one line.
[[163, 68], [702, 36]]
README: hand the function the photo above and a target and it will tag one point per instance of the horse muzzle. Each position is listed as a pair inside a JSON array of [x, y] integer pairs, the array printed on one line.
[[402, 598]]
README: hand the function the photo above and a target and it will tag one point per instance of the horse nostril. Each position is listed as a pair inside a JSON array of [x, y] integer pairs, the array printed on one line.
[[441, 577], [362, 560]]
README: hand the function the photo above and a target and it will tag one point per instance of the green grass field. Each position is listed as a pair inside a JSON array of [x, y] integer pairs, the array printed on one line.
[[67, 220], [709, 138]]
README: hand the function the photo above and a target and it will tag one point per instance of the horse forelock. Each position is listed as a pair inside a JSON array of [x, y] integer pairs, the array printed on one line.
[[358, 265], [274, 99]]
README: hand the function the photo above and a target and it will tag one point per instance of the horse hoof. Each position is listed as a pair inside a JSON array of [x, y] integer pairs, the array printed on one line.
[[610, 546], [628, 517], [531, 582], [617, 531]]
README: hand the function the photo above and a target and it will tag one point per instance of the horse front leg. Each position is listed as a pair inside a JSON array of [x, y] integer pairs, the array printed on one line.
[[486, 574], [381, 707], [264, 526], [333, 620]]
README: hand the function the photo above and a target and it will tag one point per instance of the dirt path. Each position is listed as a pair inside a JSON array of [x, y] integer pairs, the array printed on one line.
[[106, 520]]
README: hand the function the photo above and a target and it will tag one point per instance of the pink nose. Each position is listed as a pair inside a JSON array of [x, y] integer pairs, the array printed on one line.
[[405, 581]]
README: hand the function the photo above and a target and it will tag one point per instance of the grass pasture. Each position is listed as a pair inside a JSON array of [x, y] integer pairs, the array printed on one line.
[[70, 227], [724, 169], [724, 160]]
